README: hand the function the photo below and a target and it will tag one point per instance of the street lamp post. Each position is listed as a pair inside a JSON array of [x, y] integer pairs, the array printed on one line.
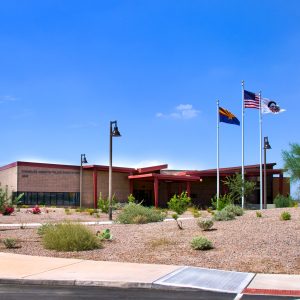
[[266, 147], [82, 161], [113, 132]]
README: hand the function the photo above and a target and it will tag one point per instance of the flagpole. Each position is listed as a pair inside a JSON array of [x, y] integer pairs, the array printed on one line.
[[260, 153], [218, 156], [243, 169]]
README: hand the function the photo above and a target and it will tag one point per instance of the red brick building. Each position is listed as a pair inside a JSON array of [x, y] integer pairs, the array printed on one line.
[[56, 184]]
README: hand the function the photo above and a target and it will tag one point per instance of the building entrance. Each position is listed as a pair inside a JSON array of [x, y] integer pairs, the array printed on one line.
[[144, 196]]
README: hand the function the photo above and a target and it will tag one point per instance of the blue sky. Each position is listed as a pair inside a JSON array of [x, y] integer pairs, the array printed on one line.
[[70, 67]]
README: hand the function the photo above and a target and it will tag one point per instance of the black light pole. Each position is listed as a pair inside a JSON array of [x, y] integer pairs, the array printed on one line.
[[82, 161], [266, 147], [113, 132]]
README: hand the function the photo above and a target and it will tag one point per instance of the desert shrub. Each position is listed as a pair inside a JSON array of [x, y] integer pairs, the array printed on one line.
[[160, 242], [139, 219], [68, 211], [201, 243], [210, 210], [205, 224], [282, 201], [70, 237], [42, 229], [91, 211], [179, 203], [80, 209], [133, 212], [235, 209], [195, 211], [224, 200], [258, 214], [223, 215], [10, 243], [285, 216]]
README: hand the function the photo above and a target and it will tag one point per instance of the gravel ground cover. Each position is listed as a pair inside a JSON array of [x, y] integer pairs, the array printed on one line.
[[247, 244]]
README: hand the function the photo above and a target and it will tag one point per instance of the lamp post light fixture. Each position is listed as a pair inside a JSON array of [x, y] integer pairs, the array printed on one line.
[[113, 132], [82, 161], [266, 147]]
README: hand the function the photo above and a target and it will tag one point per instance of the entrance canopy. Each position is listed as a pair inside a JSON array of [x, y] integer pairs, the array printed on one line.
[[157, 177]]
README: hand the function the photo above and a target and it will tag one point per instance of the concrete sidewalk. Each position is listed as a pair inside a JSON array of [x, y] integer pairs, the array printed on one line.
[[24, 269]]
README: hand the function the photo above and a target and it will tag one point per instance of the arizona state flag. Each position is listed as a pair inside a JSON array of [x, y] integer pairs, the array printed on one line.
[[227, 117]]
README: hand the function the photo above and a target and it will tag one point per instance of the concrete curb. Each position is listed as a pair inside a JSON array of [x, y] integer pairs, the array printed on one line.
[[141, 285], [112, 284]]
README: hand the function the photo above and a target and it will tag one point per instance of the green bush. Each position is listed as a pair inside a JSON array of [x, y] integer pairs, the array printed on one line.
[[195, 211], [285, 216], [42, 229], [91, 211], [224, 215], [70, 237], [179, 203], [132, 213], [201, 243], [235, 209], [131, 199], [10, 243], [103, 203], [205, 224], [282, 201], [224, 200]]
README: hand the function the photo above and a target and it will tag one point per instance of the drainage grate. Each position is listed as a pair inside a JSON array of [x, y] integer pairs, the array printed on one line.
[[207, 279]]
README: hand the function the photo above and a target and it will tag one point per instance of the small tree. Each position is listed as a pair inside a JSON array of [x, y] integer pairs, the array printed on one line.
[[292, 161], [235, 186], [179, 203]]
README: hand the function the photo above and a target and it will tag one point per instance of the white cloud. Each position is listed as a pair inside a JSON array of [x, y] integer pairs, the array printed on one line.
[[7, 98], [182, 111]]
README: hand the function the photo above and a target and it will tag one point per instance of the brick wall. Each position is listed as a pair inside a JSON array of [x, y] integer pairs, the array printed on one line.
[[39, 179], [120, 186]]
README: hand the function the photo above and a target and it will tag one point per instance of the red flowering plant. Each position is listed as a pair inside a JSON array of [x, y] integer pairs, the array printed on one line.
[[7, 210], [7, 203], [36, 210]]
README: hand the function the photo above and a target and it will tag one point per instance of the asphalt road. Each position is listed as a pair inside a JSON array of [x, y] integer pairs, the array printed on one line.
[[44, 292], [36, 292]]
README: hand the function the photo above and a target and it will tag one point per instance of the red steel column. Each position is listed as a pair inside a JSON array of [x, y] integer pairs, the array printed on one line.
[[188, 188], [130, 186], [156, 192], [179, 188], [281, 184], [95, 187]]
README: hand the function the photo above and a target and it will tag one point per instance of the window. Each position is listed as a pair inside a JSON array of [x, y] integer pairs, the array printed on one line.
[[53, 198]]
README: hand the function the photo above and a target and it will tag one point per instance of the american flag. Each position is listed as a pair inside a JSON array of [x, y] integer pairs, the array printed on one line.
[[251, 100]]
